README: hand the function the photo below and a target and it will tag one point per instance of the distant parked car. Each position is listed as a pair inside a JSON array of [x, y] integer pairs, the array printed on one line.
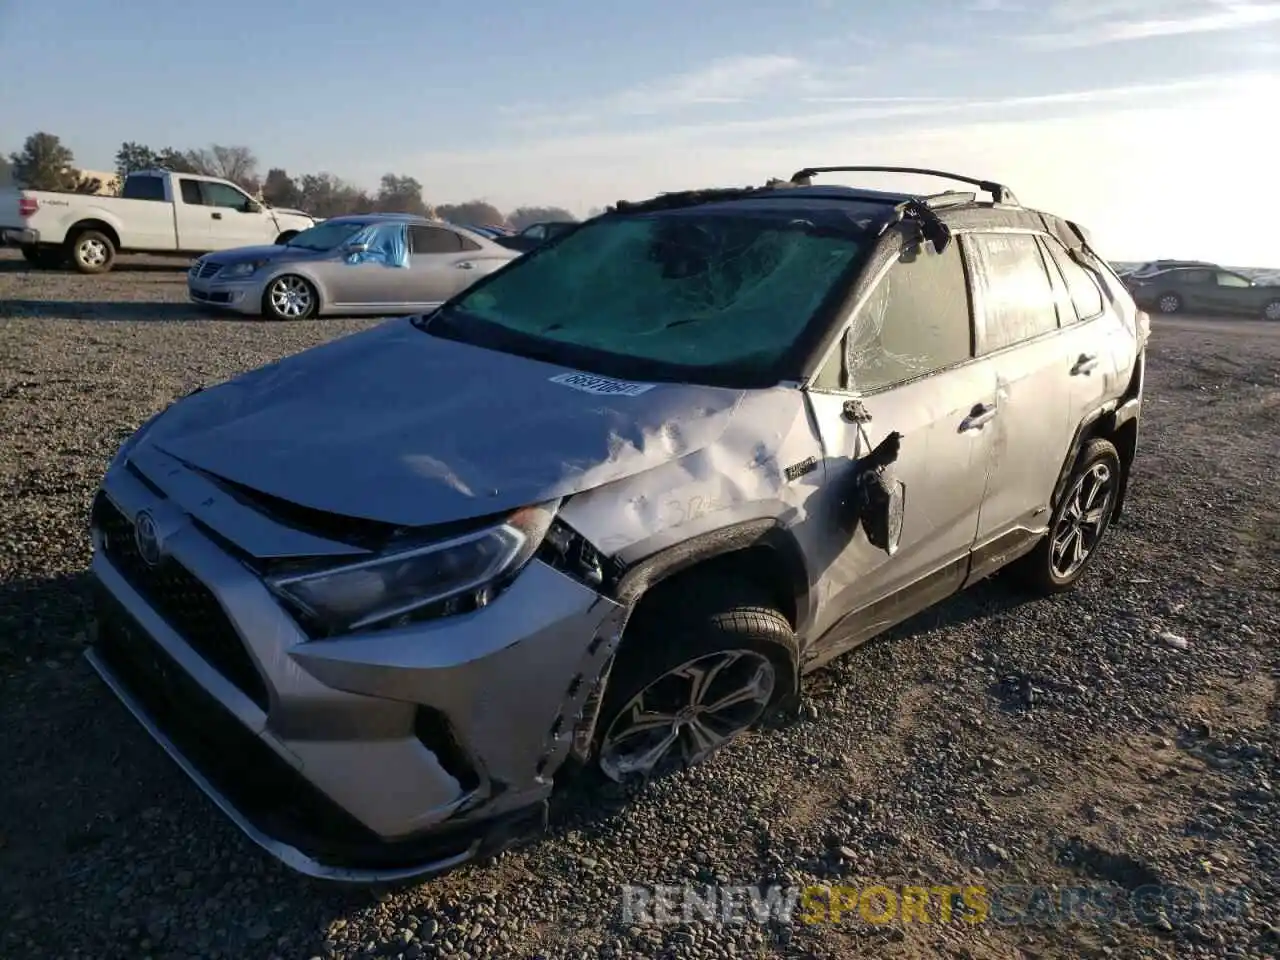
[[1205, 290], [361, 264], [536, 234]]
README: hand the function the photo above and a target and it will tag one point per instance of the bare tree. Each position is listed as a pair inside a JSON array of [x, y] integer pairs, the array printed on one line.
[[237, 164]]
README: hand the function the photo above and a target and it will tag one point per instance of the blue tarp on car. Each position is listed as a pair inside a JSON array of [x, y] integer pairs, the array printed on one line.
[[387, 245]]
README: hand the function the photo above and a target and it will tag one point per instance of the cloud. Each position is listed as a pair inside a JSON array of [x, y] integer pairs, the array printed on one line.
[[1117, 21], [601, 166], [728, 81]]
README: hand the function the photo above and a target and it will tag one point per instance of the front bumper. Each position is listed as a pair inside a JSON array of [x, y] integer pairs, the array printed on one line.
[[20, 236], [240, 296], [391, 755]]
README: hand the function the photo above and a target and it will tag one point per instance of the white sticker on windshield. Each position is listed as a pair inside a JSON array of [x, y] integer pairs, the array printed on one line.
[[601, 386]]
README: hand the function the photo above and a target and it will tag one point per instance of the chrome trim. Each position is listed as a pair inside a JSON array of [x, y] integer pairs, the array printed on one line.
[[290, 856]]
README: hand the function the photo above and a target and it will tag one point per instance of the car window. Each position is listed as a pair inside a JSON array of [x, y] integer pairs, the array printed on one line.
[[222, 195], [1083, 289], [1017, 300], [143, 187], [1061, 295], [536, 232], [468, 244], [1192, 276], [1232, 280], [191, 192], [916, 321], [434, 240]]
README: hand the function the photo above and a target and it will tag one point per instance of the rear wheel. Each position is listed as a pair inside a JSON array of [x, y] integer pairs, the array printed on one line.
[[290, 297], [1272, 310], [1169, 303], [699, 666], [92, 252], [1078, 522]]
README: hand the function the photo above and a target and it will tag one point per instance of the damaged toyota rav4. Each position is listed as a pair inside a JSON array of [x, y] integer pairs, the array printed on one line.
[[605, 508]]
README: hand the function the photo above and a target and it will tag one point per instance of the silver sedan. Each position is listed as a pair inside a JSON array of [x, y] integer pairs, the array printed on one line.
[[367, 264]]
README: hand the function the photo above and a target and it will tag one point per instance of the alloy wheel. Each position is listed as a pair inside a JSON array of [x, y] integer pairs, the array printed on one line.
[[291, 297], [688, 713], [1169, 303], [1082, 522], [1272, 311]]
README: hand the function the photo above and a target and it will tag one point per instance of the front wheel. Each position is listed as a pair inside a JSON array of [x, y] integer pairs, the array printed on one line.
[[1169, 303], [698, 668], [1272, 310], [1077, 524], [290, 297]]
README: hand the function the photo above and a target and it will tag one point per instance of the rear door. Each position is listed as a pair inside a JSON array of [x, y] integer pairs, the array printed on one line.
[[442, 263], [1017, 328], [907, 361]]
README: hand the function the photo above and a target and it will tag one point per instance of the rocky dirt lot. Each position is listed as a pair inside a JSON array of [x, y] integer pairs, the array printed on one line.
[[1122, 736]]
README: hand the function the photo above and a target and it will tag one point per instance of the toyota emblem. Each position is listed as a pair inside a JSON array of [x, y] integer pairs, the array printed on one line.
[[147, 538]]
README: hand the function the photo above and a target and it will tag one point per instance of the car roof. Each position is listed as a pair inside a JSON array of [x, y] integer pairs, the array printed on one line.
[[388, 218], [949, 209]]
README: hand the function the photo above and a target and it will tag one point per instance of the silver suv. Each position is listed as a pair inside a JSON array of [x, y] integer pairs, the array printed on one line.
[[605, 508]]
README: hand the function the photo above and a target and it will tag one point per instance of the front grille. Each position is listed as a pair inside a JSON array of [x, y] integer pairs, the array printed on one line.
[[186, 604], [208, 270]]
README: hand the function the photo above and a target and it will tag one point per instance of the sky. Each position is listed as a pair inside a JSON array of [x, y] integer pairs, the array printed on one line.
[[1150, 121]]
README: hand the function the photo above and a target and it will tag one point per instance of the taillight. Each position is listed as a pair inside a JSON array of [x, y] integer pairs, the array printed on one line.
[[27, 206]]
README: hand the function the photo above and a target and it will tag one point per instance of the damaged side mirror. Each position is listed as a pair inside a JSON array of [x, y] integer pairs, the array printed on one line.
[[879, 499]]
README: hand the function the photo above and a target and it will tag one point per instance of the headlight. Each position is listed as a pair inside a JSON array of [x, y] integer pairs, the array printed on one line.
[[467, 568], [237, 270]]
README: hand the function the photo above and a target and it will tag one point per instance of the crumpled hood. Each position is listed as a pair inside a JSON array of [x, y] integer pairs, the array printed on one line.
[[265, 253], [396, 425]]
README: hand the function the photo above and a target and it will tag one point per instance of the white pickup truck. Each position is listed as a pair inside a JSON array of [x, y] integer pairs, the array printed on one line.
[[157, 212]]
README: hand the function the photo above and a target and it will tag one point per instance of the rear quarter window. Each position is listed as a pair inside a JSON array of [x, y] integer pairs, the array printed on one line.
[[1081, 286]]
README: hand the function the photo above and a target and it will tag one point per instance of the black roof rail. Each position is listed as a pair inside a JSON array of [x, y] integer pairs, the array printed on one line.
[[999, 192]]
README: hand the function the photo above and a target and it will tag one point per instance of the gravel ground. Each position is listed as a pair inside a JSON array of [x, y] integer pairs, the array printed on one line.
[[1123, 735]]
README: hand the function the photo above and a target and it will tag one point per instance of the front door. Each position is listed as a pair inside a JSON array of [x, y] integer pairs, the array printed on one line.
[[1016, 315], [191, 218], [231, 225], [906, 362]]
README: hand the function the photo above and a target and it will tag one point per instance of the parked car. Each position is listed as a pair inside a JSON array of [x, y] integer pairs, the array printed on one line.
[[1206, 290], [604, 508], [361, 264], [536, 234], [157, 212]]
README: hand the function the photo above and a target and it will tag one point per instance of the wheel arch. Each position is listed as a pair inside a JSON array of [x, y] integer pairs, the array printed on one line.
[[90, 223], [1116, 421]]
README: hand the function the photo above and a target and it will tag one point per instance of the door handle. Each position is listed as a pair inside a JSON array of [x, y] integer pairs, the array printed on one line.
[[465, 265], [978, 416], [216, 216], [1084, 364]]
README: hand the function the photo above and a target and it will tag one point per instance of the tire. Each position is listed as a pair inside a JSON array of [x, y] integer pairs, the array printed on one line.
[[43, 258], [1050, 568], [723, 632], [290, 297], [1169, 303], [91, 251], [285, 237], [1272, 310]]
